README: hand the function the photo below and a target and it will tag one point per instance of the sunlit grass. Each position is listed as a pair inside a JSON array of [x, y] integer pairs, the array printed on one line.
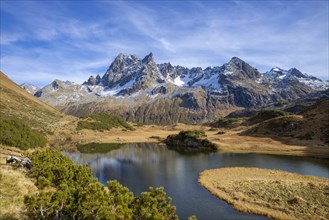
[[273, 193]]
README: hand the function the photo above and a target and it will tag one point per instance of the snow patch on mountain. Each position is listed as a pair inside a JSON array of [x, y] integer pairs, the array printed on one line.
[[180, 80], [209, 83], [117, 89], [315, 83]]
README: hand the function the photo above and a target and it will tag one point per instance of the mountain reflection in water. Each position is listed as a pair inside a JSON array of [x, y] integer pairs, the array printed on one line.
[[141, 165]]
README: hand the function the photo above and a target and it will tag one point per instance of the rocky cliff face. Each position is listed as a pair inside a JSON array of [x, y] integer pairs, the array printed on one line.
[[143, 91]]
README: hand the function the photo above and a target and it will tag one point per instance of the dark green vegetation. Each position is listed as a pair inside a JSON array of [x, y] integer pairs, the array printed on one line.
[[98, 147], [296, 108], [14, 132], [190, 141], [265, 115], [102, 122], [225, 123], [197, 134], [69, 191]]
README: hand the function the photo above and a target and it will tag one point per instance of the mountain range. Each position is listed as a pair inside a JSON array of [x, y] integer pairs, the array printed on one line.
[[143, 91]]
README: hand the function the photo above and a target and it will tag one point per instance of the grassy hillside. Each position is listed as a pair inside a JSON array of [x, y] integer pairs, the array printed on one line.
[[14, 132], [102, 122], [312, 125], [264, 115], [16, 102], [226, 123]]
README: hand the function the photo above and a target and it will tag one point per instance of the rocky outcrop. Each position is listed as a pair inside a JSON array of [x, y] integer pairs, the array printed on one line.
[[92, 81]]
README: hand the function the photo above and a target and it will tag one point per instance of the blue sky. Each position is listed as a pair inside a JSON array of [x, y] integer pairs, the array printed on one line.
[[71, 40]]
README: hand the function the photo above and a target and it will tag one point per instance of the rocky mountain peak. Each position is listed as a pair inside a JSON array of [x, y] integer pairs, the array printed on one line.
[[279, 74], [32, 89], [121, 70], [92, 81], [165, 69], [149, 59], [275, 73], [240, 69], [295, 72], [276, 69], [237, 61], [98, 79], [56, 83]]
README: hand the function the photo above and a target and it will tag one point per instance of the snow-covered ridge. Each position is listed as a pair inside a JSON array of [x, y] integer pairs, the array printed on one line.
[[277, 74], [130, 76]]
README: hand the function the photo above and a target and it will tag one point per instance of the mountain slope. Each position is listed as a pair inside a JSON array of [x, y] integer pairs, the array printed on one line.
[[313, 124], [17, 102]]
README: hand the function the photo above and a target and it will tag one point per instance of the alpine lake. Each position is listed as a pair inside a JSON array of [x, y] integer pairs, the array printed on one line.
[[141, 165]]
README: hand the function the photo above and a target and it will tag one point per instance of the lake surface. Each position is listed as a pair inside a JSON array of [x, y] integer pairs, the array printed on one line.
[[139, 166]]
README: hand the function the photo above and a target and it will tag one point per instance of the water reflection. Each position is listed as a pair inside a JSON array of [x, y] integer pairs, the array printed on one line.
[[139, 166]]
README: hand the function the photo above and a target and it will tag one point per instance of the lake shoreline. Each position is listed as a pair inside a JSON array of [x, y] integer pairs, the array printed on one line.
[[272, 193], [231, 141]]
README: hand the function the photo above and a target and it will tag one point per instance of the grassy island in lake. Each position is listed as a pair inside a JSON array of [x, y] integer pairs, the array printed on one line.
[[272, 193]]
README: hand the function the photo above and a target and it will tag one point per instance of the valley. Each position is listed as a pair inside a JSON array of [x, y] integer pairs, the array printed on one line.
[[230, 141], [164, 110], [246, 136]]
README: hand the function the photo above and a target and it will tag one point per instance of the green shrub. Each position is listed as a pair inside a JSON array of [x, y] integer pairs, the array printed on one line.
[[190, 141], [153, 204], [14, 132], [103, 121], [192, 134], [69, 191]]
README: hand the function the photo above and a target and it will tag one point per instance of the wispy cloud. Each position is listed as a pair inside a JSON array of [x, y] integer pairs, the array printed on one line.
[[41, 41]]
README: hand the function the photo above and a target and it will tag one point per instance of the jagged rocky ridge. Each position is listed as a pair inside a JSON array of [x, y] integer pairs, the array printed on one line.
[[143, 91]]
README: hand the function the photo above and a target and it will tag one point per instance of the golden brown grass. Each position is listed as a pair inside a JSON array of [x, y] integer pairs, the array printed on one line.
[[14, 185], [116, 135], [231, 141], [66, 137], [273, 193]]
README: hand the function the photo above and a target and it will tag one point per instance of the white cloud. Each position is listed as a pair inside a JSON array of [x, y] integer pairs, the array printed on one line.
[[66, 45]]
